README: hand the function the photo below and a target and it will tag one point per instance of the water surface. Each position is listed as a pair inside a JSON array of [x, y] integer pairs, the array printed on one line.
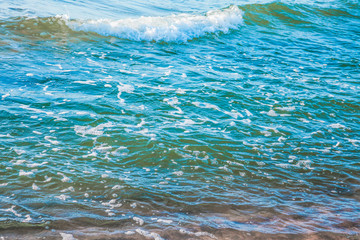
[[179, 119]]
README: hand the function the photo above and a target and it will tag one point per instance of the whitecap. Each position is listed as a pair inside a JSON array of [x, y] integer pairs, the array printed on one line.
[[173, 28]]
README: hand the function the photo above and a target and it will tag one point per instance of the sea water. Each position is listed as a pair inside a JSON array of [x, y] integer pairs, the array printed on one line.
[[179, 119]]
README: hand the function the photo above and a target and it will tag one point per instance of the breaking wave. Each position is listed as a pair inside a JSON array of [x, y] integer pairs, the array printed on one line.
[[173, 28], [180, 27]]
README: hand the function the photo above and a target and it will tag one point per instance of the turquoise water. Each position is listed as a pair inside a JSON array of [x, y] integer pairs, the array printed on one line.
[[179, 120]]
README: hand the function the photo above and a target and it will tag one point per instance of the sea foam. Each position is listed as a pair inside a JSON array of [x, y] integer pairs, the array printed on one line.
[[173, 28]]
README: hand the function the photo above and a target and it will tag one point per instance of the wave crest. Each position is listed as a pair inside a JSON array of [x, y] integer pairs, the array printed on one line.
[[173, 28]]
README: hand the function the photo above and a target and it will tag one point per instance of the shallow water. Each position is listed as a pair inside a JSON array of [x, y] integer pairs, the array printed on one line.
[[183, 119]]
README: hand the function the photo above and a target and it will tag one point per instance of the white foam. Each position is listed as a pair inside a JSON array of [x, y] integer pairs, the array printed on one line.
[[305, 164], [67, 236], [65, 178], [235, 114], [271, 113], [47, 179], [246, 121], [19, 151], [164, 221], [173, 28], [103, 148], [145, 132], [178, 173], [12, 210], [87, 82], [87, 130], [27, 219], [35, 187], [120, 151], [23, 173], [69, 189], [141, 123], [62, 197], [206, 105], [19, 162], [124, 88], [5, 96], [186, 122], [248, 113], [116, 187], [198, 234], [35, 110], [138, 220], [32, 165], [112, 204], [353, 141], [147, 234], [172, 101], [336, 125], [50, 139]]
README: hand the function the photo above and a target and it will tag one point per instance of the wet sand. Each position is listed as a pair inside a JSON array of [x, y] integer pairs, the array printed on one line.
[[157, 234]]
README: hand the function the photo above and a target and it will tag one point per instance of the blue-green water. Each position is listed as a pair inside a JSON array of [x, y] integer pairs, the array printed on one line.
[[179, 119]]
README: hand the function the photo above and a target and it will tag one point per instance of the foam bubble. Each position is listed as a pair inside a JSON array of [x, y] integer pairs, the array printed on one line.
[[206, 105], [62, 197], [5, 96], [336, 125], [164, 221], [272, 113], [173, 28], [87, 130], [138, 220], [12, 210], [27, 219], [124, 88], [147, 234], [67, 236], [178, 173], [65, 178], [35, 187], [49, 139], [23, 173]]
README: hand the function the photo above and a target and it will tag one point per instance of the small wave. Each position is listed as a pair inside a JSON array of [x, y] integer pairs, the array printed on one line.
[[181, 27], [173, 28]]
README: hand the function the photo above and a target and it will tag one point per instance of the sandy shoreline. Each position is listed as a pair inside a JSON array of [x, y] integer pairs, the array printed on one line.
[[142, 233]]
